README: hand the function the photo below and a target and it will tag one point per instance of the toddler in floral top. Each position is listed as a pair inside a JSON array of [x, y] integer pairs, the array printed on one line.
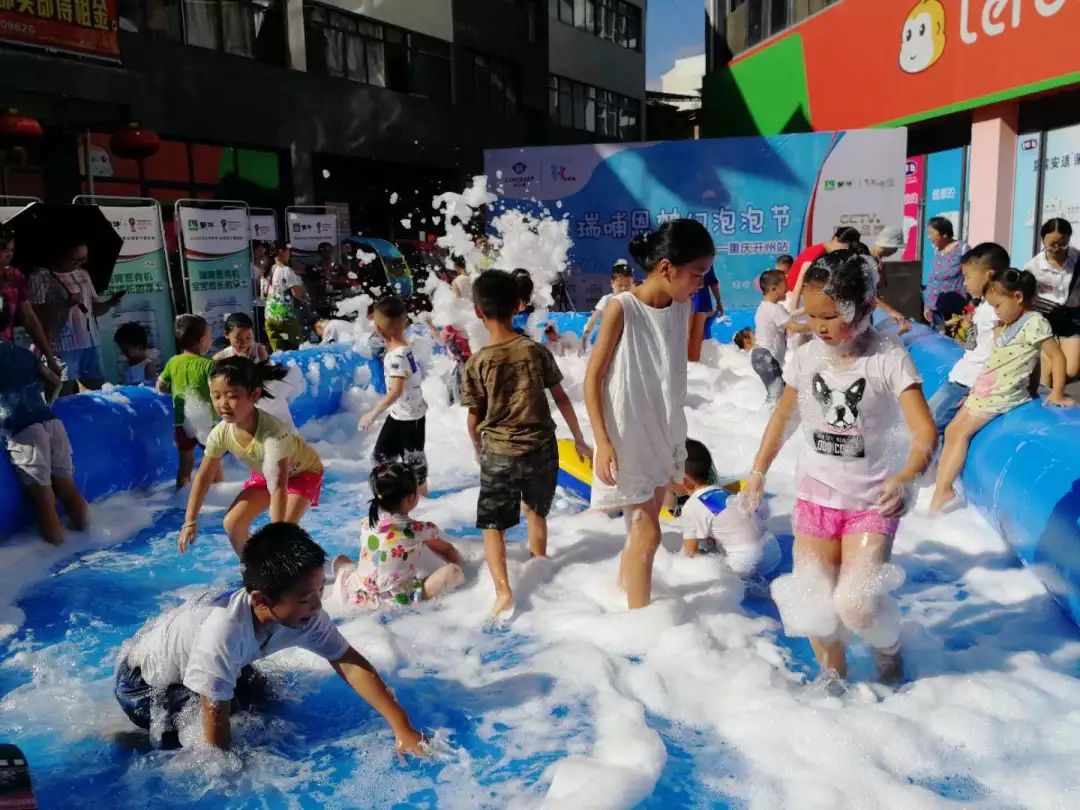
[[394, 567]]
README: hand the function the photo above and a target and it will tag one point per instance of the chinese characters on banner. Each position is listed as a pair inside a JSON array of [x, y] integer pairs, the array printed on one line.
[[142, 272], [307, 232], [944, 197], [263, 227], [217, 261], [86, 27], [1061, 174]]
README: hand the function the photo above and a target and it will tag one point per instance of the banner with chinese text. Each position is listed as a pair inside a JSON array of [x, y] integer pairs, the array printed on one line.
[[86, 27], [263, 227], [913, 189], [217, 262], [944, 197], [307, 231], [142, 272], [759, 197]]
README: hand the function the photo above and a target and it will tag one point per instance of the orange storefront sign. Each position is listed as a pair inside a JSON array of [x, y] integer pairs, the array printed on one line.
[[86, 27]]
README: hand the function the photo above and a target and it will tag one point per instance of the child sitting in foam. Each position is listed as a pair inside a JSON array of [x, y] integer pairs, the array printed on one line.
[[393, 568]]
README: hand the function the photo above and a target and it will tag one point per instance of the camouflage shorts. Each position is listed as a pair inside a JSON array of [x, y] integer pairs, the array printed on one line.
[[508, 481]]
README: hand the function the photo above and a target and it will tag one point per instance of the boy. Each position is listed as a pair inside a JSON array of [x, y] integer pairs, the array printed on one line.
[[202, 650], [511, 428], [622, 280], [772, 325], [36, 440], [977, 265], [711, 521], [133, 341], [187, 377], [783, 264], [744, 339], [403, 433]]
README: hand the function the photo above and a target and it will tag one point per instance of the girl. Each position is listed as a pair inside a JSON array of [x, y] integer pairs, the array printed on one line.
[[1005, 381], [849, 388], [391, 569], [635, 388], [283, 303], [240, 332], [286, 473]]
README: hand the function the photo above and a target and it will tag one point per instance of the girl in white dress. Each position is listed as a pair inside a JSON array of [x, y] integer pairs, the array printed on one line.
[[635, 391]]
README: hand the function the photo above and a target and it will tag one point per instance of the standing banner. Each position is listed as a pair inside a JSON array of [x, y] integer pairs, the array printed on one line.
[[1061, 177], [913, 189], [308, 227], [216, 255], [758, 197], [262, 223], [944, 197], [13, 205], [142, 271], [1025, 198]]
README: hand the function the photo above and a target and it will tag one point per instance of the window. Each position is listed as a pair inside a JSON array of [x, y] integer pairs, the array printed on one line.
[[755, 29], [251, 28], [779, 16], [488, 82], [575, 105], [352, 47], [613, 20]]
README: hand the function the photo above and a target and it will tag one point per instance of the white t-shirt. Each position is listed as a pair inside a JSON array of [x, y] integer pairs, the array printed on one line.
[[980, 341], [710, 515], [400, 364], [855, 432], [1053, 283], [602, 303], [770, 329], [335, 331], [463, 286], [205, 643]]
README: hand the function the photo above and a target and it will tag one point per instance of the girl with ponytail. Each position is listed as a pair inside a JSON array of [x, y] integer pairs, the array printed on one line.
[[394, 568], [635, 391]]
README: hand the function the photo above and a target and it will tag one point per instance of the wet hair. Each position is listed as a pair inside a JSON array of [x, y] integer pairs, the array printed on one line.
[[1010, 281], [496, 295], [324, 245], [621, 270], [785, 259], [248, 374], [988, 256], [391, 307], [524, 284], [189, 330], [847, 235], [458, 261], [680, 241], [131, 334], [770, 279], [942, 226], [742, 338], [699, 464], [391, 483], [1055, 225], [238, 320], [847, 277], [280, 247], [277, 557], [861, 248]]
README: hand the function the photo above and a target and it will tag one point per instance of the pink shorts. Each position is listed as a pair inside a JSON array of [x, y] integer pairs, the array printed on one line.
[[832, 524], [307, 484]]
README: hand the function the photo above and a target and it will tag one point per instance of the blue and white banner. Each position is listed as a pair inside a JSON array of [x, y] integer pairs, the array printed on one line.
[[759, 197]]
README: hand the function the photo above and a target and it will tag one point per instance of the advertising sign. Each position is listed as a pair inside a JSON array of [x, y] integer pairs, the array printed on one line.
[[1061, 176], [758, 197], [263, 227], [913, 189], [944, 197], [1025, 198], [142, 272], [307, 231], [86, 27], [217, 261]]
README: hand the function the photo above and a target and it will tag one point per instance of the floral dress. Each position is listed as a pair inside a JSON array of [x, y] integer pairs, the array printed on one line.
[[390, 569]]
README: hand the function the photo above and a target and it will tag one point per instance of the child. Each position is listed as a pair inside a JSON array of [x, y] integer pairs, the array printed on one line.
[[745, 339], [525, 288], [286, 474], [240, 332], [511, 428], [783, 264], [331, 331], [402, 437], [772, 325], [622, 280], [462, 281], [391, 569], [849, 388], [132, 340], [978, 264], [36, 440], [712, 520], [1005, 382], [200, 654], [635, 390], [187, 377]]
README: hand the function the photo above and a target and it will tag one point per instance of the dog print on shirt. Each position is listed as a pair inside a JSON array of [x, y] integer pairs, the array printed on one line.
[[841, 411]]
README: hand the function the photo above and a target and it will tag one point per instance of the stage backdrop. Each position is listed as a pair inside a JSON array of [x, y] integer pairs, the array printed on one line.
[[759, 197]]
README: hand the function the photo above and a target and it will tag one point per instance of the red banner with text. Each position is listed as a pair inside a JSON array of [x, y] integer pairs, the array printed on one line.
[[86, 27]]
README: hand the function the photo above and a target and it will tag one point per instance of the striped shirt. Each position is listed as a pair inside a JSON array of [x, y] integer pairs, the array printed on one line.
[[79, 330]]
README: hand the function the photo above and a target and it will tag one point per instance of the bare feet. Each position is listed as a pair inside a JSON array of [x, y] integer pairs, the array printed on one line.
[[504, 603], [942, 498]]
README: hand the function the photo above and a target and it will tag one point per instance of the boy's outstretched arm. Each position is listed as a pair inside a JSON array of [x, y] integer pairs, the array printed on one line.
[[566, 408], [365, 681]]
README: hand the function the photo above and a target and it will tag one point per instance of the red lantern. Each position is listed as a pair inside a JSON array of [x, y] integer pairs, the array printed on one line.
[[16, 128], [134, 142]]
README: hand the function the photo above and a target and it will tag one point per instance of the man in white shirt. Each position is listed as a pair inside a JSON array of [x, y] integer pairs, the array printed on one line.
[[203, 649]]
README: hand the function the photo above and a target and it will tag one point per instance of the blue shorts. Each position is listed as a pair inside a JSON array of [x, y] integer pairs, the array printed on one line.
[[81, 364], [946, 403]]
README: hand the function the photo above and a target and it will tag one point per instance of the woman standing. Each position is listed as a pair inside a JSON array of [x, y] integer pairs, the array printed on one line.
[[1057, 272], [16, 299], [283, 303], [944, 296]]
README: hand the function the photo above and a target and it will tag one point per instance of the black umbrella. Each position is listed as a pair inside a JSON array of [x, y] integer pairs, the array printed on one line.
[[41, 227]]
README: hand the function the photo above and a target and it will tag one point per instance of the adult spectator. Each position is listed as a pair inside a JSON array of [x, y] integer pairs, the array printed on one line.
[[1057, 272], [845, 238], [16, 297], [283, 303], [888, 243], [703, 310], [67, 306], [944, 297]]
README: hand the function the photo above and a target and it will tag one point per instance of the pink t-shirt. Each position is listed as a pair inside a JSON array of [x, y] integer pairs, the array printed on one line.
[[15, 293], [854, 430]]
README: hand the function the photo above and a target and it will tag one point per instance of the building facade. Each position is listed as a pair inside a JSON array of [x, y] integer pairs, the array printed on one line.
[[989, 91], [276, 102]]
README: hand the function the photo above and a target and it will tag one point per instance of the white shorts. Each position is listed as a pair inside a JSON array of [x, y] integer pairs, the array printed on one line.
[[41, 452]]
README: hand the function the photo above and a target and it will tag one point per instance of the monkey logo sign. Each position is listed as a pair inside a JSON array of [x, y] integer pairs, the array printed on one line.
[[923, 40]]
